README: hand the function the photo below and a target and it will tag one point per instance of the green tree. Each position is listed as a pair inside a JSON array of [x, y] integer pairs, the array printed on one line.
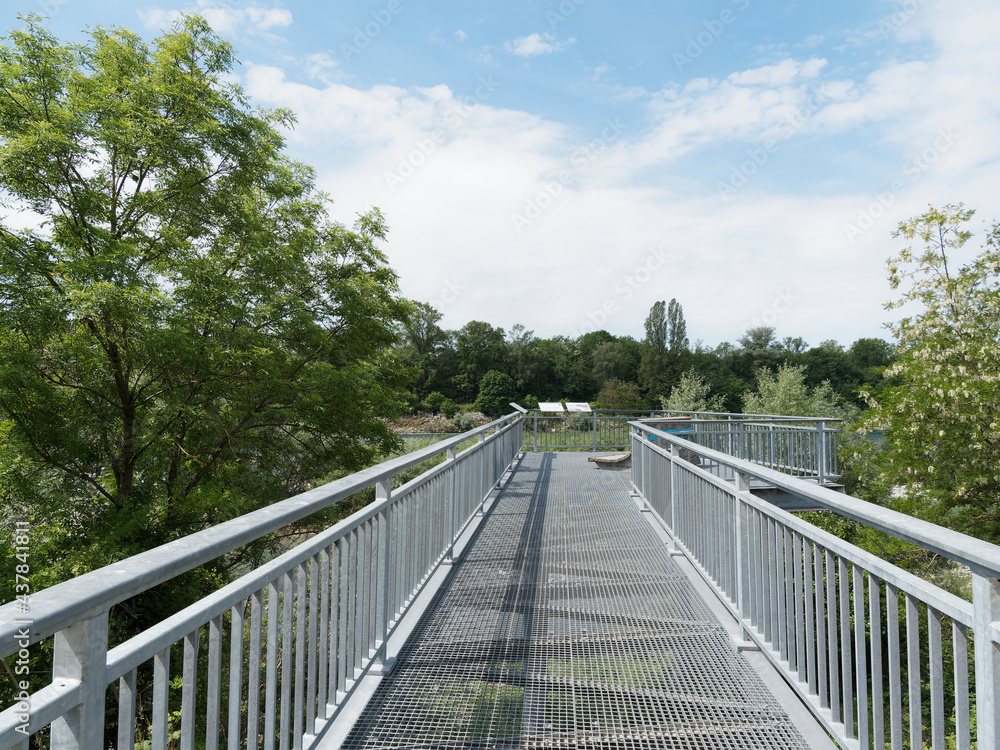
[[616, 394], [942, 422], [785, 393], [617, 359], [184, 336], [496, 391], [692, 394], [479, 348]]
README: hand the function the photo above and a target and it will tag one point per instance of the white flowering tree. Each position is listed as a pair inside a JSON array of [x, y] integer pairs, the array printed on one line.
[[942, 423]]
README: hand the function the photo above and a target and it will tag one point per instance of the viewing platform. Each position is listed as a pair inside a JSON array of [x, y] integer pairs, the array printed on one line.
[[567, 623], [516, 595]]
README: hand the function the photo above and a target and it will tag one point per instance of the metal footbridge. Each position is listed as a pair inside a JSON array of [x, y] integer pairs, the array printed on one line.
[[567, 624], [513, 596]]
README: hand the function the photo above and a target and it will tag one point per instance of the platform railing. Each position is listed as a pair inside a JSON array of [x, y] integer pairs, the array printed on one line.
[[866, 645], [282, 647], [800, 446]]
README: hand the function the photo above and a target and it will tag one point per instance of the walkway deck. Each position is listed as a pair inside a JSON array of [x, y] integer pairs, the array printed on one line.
[[566, 624]]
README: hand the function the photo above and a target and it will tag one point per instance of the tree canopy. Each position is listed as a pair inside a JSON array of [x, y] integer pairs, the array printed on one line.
[[185, 335], [942, 421]]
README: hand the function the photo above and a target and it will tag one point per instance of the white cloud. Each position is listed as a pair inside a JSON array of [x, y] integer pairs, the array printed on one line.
[[537, 44], [224, 19], [461, 35], [450, 220]]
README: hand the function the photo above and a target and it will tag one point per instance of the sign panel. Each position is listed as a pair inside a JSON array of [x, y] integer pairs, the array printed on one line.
[[550, 406], [578, 406]]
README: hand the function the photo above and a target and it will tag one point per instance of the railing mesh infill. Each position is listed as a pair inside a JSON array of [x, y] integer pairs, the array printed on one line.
[[567, 625]]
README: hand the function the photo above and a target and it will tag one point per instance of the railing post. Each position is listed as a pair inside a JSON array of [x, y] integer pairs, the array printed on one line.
[[821, 453], [675, 453], [449, 556], [483, 484], [595, 431], [742, 484], [985, 616], [739, 440], [534, 445], [383, 491], [80, 653]]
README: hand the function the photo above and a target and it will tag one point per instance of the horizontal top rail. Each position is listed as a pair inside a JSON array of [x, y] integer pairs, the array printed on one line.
[[769, 417], [983, 557], [93, 593]]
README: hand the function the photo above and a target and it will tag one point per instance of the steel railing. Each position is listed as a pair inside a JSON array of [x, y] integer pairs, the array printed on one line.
[[292, 638], [800, 446], [867, 645]]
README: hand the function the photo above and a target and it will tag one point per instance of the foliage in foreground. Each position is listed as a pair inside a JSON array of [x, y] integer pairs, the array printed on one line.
[[185, 336], [942, 422]]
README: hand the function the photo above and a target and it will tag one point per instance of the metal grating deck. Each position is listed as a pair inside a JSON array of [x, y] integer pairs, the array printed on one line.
[[567, 625]]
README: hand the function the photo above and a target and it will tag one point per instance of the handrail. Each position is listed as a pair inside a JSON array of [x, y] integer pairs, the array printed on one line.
[[59, 606], [369, 567], [769, 417], [976, 553], [813, 603]]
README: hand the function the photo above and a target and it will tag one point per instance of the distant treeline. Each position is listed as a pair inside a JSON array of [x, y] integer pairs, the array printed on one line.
[[620, 371]]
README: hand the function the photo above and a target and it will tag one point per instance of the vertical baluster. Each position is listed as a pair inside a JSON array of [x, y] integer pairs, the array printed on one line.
[[847, 672], [878, 685], [861, 655], [913, 668], [343, 605], [814, 618], [960, 647], [821, 641], [893, 644], [161, 699], [788, 600], [287, 676], [350, 630], [271, 670], [774, 590], [253, 675], [189, 714], [300, 654], [325, 623], [213, 691], [312, 641], [800, 597], [236, 617], [126, 712], [936, 668], [833, 650]]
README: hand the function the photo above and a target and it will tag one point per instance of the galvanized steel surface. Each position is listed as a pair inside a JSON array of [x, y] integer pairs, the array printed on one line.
[[566, 624]]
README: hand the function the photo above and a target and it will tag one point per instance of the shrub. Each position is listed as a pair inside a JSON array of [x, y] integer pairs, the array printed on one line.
[[496, 391]]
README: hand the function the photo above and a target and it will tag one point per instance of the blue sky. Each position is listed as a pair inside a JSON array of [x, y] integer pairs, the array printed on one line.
[[566, 163]]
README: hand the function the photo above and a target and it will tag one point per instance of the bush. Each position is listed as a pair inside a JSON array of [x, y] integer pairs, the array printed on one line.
[[465, 422], [449, 408], [433, 402], [618, 395], [496, 391]]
